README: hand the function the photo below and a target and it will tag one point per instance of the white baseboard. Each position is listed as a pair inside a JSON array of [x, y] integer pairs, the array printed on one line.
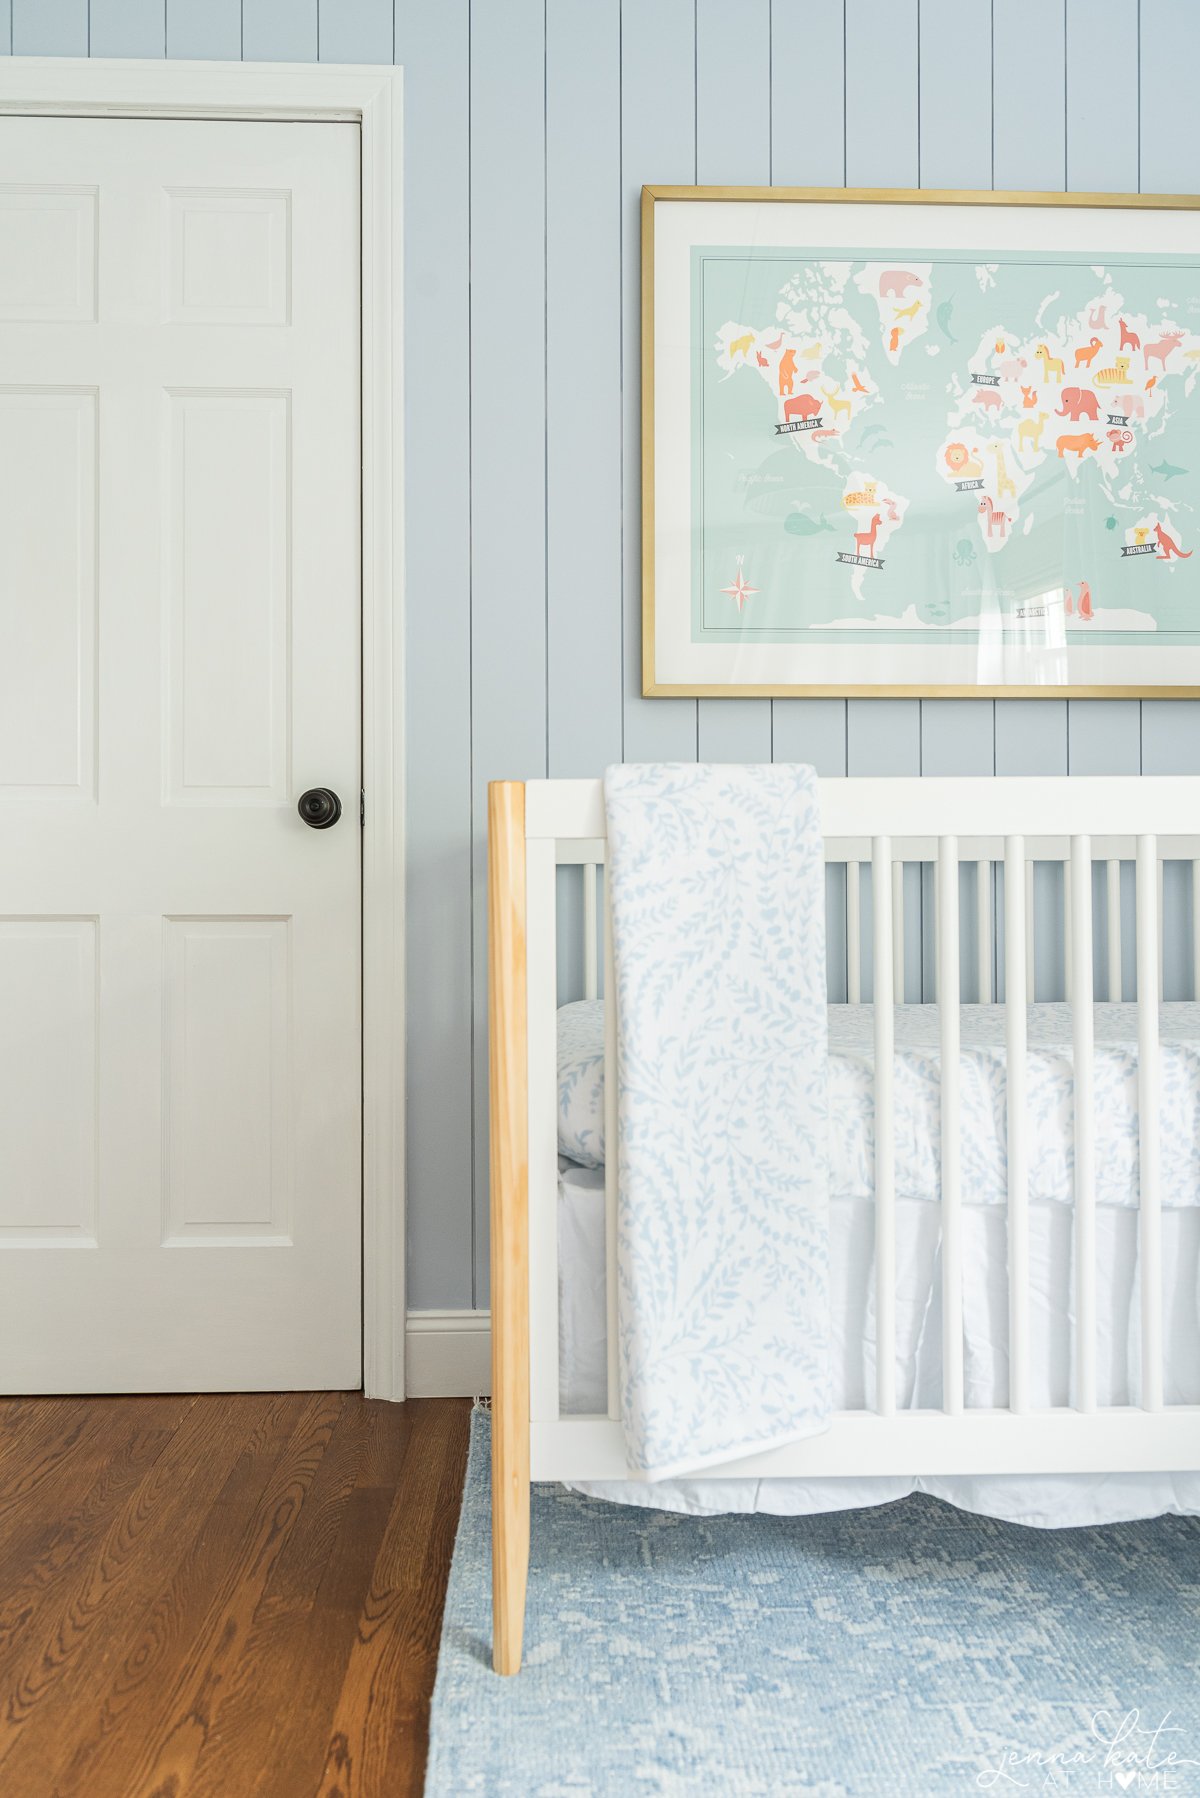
[[448, 1354]]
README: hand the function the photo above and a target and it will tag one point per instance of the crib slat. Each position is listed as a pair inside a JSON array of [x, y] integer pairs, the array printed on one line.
[[1030, 951], [1015, 917], [885, 1165], [983, 929], [1161, 976], [1113, 875], [1149, 1221], [948, 1002], [541, 1001], [853, 933], [1196, 930], [590, 953], [898, 931], [1066, 930], [1085, 1160], [610, 1159]]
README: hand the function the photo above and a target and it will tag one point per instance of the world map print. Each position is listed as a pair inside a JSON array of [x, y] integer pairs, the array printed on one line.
[[945, 443]]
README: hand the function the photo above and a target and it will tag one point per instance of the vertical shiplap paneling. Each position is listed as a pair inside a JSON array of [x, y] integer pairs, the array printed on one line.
[[658, 146], [434, 49], [508, 452], [5, 27], [128, 27], [281, 31], [1029, 142], [49, 27], [807, 83], [733, 146], [583, 389], [957, 735], [882, 150], [1171, 745], [208, 29], [355, 31]]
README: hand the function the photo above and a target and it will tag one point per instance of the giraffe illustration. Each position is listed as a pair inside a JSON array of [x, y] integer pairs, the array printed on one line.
[[1004, 481]]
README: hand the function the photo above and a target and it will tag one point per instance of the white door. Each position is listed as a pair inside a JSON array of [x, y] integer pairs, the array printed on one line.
[[180, 1201]]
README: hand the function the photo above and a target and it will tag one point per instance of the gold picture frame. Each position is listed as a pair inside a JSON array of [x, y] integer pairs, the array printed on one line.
[[660, 677]]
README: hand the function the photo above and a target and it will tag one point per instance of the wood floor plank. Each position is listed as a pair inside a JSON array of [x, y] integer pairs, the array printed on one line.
[[233, 1596]]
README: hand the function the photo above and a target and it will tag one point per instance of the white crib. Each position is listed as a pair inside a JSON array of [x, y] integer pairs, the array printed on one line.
[[881, 825]]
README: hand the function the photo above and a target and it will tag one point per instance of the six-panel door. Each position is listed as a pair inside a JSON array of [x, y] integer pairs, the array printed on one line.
[[179, 659]]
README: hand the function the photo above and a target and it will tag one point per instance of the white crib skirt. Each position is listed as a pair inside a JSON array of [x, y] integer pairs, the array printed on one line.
[[1044, 1500]]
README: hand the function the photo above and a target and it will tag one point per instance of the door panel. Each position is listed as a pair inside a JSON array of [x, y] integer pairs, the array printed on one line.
[[180, 1075]]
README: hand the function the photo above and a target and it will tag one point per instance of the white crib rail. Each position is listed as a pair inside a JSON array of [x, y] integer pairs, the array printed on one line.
[[884, 825]]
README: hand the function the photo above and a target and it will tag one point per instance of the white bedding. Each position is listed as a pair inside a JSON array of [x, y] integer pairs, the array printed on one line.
[[917, 1101], [1045, 1500]]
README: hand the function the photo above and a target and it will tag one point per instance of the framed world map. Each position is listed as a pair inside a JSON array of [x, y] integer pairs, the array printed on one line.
[[920, 442]]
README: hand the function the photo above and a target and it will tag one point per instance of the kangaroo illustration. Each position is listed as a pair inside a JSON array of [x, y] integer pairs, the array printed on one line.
[[1004, 481], [996, 521], [1167, 547], [837, 405], [1051, 365], [1029, 431], [1087, 355], [864, 541], [1029, 398], [787, 371], [1129, 339]]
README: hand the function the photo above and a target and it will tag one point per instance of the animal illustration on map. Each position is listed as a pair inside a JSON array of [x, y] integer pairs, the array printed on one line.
[[801, 525], [1167, 547], [778, 343], [1077, 445], [1029, 432], [1077, 403], [907, 311], [802, 406], [943, 315], [828, 431], [787, 371], [988, 397], [836, 405], [996, 521], [894, 283], [1167, 470], [1129, 339], [1096, 318], [763, 361], [1116, 376], [864, 541], [1084, 602], [1132, 405], [1087, 355], [1005, 484], [964, 552], [1010, 368], [962, 464], [856, 384], [894, 339], [812, 353], [1051, 365], [1029, 398], [1120, 441], [740, 346], [1161, 348]]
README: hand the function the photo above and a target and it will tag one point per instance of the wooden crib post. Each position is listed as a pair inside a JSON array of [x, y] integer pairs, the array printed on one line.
[[508, 1086]]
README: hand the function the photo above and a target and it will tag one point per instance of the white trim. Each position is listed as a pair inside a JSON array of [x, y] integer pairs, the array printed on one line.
[[449, 1354], [370, 96]]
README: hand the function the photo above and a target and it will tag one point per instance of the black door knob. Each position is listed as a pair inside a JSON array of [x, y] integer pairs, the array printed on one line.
[[319, 807]]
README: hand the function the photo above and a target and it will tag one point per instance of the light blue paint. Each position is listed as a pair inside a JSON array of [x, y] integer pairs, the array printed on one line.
[[210, 30], [491, 235]]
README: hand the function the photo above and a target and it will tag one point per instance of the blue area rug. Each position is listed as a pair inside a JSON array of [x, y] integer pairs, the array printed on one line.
[[908, 1649]]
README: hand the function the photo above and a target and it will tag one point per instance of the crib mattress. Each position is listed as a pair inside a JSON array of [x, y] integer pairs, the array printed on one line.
[[1042, 1500], [983, 1100]]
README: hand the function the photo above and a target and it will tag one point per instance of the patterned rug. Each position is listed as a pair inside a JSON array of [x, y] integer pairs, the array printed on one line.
[[910, 1649]]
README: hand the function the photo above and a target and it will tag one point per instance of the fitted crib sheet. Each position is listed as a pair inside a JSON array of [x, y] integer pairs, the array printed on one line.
[[983, 1100], [1044, 1500]]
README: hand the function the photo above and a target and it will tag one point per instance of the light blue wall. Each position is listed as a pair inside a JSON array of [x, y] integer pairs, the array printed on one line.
[[531, 126]]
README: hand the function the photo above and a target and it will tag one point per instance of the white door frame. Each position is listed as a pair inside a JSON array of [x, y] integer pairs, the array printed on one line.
[[370, 97]]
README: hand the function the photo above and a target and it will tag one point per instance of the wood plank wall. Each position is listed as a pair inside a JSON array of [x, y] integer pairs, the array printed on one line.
[[531, 126]]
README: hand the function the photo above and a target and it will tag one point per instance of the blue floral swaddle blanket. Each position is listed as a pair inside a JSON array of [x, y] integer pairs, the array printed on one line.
[[717, 883]]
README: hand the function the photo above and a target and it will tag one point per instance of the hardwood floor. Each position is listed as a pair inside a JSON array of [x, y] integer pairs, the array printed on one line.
[[234, 1596]]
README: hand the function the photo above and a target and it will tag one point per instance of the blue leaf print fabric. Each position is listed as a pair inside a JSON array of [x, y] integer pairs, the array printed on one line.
[[717, 881]]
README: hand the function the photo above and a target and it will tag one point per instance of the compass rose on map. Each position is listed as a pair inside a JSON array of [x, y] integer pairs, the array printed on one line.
[[741, 588]]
